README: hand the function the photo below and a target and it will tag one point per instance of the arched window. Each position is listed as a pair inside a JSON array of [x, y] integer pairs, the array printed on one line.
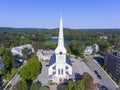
[[61, 71], [58, 71]]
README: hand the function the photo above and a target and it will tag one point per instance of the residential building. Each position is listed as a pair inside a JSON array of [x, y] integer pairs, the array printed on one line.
[[90, 49], [104, 37], [112, 63], [44, 54], [18, 50]]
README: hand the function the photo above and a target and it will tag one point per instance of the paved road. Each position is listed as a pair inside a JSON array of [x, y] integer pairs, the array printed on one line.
[[105, 80], [14, 80], [43, 78], [79, 66]]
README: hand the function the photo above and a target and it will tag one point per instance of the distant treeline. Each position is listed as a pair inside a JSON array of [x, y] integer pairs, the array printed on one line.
[[10, 37]]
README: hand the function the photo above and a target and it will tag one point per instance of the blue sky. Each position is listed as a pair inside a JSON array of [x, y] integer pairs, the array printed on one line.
[[46, 13]]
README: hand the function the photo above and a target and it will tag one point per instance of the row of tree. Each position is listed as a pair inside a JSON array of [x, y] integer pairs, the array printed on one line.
[[22, 85], [86, 83], [8, 61], [10, 37]]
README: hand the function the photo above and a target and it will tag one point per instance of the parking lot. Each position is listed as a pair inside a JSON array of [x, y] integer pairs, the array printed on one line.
[[80, 67]]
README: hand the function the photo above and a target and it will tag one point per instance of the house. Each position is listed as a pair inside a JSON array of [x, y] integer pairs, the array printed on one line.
[[44, 54], [18, 50], [90, 49], [104, 37]]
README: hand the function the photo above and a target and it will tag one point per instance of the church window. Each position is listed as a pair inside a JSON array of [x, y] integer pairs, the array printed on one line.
[[58, 71], [67, 72], [54, 67], [53, 73], [60, 53], [66, 67], [62, 71]]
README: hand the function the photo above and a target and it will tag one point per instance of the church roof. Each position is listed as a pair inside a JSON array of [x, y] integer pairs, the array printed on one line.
[[68, 61], [53, 60]]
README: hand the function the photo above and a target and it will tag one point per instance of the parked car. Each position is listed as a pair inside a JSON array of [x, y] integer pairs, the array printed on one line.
[[99, 76], [102, 87], [95, 72]]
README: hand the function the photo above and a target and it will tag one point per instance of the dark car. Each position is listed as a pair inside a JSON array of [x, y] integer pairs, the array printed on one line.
[[95, 72], [99, 77], [102, 87]]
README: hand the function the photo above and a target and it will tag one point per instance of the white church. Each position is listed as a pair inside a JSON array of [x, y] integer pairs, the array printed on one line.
[[60, 66]]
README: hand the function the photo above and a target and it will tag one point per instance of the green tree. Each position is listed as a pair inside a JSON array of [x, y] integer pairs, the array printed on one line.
[[31, 69], [71, 85], [21, 85], [64, 87], [44, 88], [88, 81], [3, 71], [14, 63], [49, 45], [35, 86], [76, 47], [7, 61], [37, 45], [80, 85], [25, 53]]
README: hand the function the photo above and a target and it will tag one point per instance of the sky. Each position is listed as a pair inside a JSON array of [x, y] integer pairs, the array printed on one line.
[[76, 14]]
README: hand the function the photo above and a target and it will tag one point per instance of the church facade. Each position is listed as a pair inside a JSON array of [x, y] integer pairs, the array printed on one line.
[[60, 66]]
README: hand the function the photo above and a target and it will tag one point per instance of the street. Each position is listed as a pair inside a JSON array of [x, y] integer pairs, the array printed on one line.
[[80, 67], [43, 76], [105, 80]]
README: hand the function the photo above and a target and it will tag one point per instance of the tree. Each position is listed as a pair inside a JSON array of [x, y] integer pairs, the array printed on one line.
[[21, 85], [49, 45], [71, 85], [7, 59], [36, 45], [25, 53], [3, 71], [44, 88], [14, 63], [76, 47], [31, 69], [80, 85], [35, 86], [88, 81], [64, 87]]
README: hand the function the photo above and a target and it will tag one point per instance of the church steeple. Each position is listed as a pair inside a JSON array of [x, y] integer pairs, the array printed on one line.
[[60, 47]]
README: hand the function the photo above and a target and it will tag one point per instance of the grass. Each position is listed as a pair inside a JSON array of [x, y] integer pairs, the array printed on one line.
[[50, 82]]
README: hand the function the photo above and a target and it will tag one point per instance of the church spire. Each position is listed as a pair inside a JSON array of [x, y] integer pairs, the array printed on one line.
[[60, 46]]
